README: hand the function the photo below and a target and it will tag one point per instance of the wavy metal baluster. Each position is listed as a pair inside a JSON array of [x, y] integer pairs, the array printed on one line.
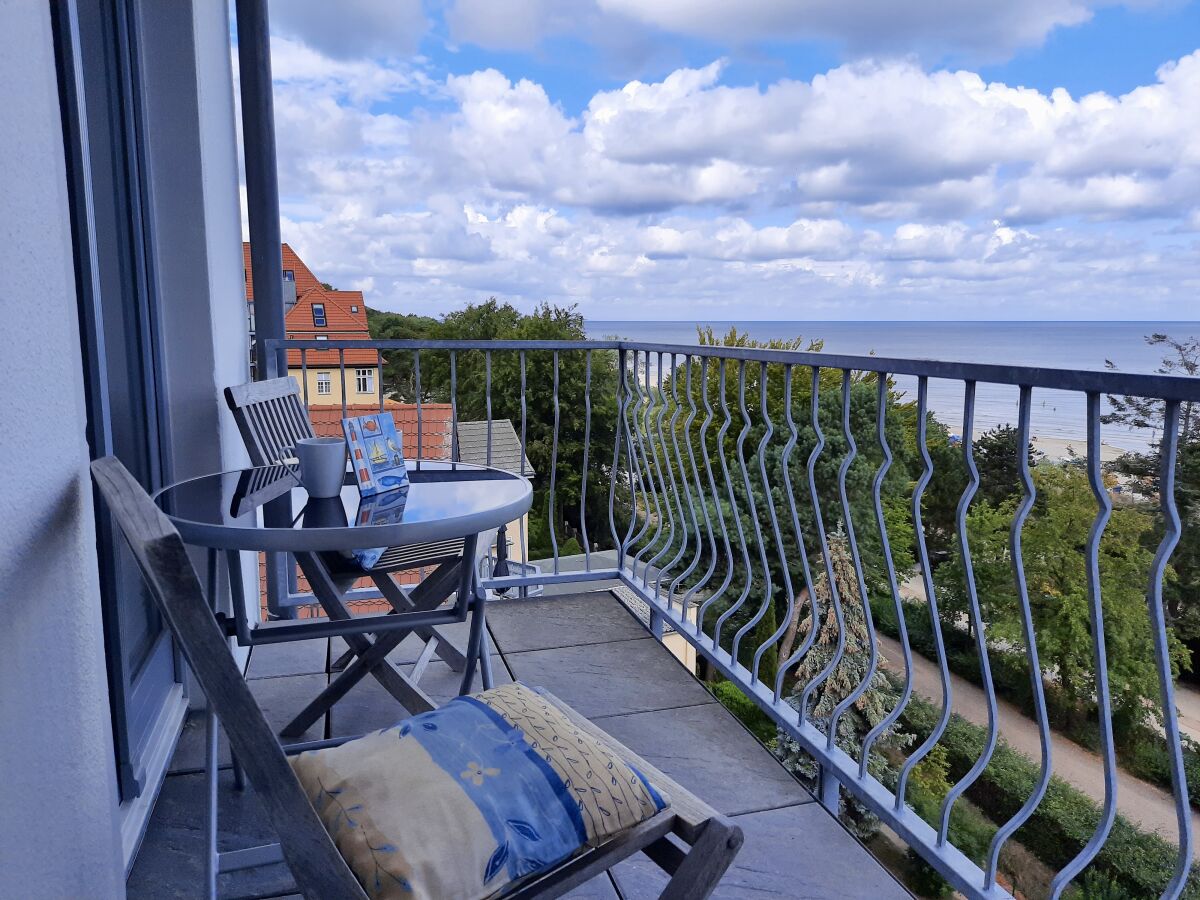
[[523, 412], [635, 466], [927, 577], [454, 454], [890, 719], [1035, 668], [788, 591], [675, 486], [806, 572], [1169, 448], [616, 464], [649, 459], [587, 442], [487, 368], [1108, 752], [673, 492], [873, 653], [304, 375], [379, 382], [985, 668], [417, 383], [768, 592], [342, 377], [694, 480], [740, 452], [551, 499], [721, 432], [834, 594], [716, 499]]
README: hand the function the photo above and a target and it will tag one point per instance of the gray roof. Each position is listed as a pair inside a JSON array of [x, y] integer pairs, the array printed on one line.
[[506, 446]]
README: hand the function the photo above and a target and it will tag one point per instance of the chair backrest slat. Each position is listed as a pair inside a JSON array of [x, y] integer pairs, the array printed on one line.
[[316, 865], [271, 417]]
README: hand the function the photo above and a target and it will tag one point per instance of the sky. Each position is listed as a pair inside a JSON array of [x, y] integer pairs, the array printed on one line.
[[764, 159]]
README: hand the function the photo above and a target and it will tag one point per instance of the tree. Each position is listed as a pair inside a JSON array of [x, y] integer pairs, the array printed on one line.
[[492, 320], [1140, 473], [1144, 412], [398, 374], [998, 457], [867, 711], [1054, 541]]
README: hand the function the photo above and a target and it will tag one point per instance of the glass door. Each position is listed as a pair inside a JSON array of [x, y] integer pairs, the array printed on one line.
[[118, 310]]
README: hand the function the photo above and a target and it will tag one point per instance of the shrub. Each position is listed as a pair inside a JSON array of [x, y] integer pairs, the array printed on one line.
[[1063, 822], [756, 721]]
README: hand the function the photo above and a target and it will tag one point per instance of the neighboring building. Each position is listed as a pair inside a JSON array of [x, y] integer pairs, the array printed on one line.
[[313, 312], [507, 454]]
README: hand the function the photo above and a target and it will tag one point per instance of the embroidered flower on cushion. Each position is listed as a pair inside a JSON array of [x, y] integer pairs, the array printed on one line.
[[475, 773]]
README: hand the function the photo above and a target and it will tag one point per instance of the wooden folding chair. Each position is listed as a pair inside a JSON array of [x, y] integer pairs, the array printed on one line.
[[272, 417], [688, 840]]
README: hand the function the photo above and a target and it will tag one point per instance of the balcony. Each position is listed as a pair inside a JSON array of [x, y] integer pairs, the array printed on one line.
[[725, 499], [595, 655]]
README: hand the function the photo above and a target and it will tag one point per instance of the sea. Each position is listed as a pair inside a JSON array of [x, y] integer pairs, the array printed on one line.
[[1055, 416]]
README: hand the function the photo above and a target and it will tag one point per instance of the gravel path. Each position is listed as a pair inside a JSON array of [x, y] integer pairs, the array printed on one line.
[[1143, 803]]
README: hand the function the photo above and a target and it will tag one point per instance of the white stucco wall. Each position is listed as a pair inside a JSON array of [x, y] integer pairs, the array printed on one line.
[[58, 833], [197, 221]]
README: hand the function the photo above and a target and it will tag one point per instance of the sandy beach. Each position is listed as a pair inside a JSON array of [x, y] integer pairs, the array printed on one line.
[[1061, 448]]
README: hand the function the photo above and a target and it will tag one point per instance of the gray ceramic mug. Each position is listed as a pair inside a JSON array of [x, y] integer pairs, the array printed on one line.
[[322, 465]]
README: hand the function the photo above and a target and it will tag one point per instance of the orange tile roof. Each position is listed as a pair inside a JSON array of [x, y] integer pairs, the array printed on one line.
[[341, 325], [305, 279], [436, 420]]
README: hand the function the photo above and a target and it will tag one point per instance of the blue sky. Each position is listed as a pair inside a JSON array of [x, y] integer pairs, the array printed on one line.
[[684, 159]]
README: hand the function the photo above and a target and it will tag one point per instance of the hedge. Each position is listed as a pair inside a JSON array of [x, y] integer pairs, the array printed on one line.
[[1063, 822], [1145, 758]]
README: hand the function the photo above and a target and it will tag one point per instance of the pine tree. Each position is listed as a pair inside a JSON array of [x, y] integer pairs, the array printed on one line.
[[867, 711]]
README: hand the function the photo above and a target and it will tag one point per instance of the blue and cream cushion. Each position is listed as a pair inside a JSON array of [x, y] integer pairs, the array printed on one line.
[[467, 799]]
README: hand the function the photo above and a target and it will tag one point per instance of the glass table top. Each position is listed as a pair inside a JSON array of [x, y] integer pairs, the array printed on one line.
[[443, 500]]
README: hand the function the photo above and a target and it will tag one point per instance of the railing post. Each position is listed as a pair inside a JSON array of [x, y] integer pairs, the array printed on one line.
[[829, 791], [656, 624]]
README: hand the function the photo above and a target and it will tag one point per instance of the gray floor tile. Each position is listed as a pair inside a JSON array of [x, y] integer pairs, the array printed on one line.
[[610, 679], [368, 707], [599, 888], [542, 624], [170, 862], [708, 752], [292, 658], [281, 699], [798, 851], [189, 752]]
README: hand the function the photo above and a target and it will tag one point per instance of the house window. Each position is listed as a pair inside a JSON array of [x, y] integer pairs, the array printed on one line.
[[289, 275], [324, 384], [322, 337], [354, 309], [319, 315], [364, 381]]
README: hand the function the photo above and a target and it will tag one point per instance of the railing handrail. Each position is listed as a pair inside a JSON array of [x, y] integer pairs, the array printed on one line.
[[1182, 388]]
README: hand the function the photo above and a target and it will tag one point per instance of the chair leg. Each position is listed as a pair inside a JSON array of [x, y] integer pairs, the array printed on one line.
[[212, 859], [705, 864]]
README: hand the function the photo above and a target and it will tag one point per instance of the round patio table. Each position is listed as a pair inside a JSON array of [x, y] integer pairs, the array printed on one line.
[[444, 500], [267, 509]]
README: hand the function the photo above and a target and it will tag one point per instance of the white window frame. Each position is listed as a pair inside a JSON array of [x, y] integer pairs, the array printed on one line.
[[364, 381], [324, 383]]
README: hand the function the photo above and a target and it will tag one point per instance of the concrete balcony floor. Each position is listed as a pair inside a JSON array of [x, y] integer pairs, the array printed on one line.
[[591, 652]]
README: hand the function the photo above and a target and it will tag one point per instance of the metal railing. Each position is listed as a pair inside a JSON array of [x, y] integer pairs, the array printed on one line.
[[750, 496]]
